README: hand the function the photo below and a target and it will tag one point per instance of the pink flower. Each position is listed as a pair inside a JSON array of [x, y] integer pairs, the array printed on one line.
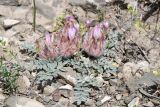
[[70, 37], [88, 23], [71, 33], [48, 49], [105, 25], [95, 40]]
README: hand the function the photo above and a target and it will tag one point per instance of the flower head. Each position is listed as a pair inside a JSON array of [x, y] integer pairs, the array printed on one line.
[[69, 37], [94, 40]]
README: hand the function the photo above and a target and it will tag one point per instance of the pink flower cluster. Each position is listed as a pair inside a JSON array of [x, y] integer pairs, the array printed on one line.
[[95, 39], [66, 42]]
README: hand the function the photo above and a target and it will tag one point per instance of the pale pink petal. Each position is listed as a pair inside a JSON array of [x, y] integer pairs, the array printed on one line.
[[71, 33], [97, 32]]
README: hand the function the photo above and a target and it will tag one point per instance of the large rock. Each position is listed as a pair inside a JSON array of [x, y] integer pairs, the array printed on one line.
[[17, 101], [9, 2]]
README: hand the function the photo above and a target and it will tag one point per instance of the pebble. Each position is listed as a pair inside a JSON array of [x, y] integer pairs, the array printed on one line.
[[119, 96], [128, 69], [134, 102], [66, 87], [49, 90], [106, 98], [10, 22], [23, 84], [112, 89], [149, 104], [143, 66], [2, 97], [114, 82], [69, 76]]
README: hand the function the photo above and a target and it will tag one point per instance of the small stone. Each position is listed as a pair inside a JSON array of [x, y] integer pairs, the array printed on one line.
[[11, 33], [34, 74], [40, 19], [1, 90], [92, 15], [46, 11], [143, 66], [63, 102], [20, 13], [69, 76], [100, 80], [138, 75], [134, 102], [9, 2], [77, 2], [107, 75], [149, 104], [81, 14], [10, 22], [23, 84], [89, 102], [66, 87], [106, 98], [17, 101], [114, 82], [48, 90], [120, 75], [65, 93], [112, 89], [5, 11], [102, 101], [48, 28], [66, 90], [128, 69], [2, 97], [56, 95], [118, 96], [24, 2]]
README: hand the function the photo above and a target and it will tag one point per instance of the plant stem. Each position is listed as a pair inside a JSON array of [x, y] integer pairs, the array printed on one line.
[[34, 15]]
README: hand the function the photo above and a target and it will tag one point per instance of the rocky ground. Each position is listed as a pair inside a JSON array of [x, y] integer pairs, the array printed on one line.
[[135, 84]]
